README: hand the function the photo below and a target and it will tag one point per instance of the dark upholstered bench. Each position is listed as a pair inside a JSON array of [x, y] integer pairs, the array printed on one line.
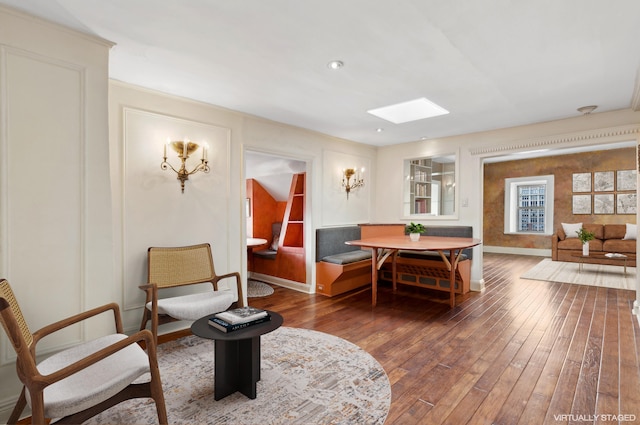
[[340, 267], [426, 269]]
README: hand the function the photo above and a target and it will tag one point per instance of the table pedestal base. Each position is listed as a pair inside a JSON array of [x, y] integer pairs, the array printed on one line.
[[237, 367]]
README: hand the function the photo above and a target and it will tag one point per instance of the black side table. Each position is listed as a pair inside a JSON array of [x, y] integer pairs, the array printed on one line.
[[237, 355]]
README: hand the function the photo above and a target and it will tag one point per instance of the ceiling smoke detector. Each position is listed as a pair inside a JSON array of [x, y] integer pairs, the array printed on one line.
[[586, 110]]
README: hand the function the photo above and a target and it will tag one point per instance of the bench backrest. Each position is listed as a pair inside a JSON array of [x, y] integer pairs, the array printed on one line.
[[452, 232], [331, 240]]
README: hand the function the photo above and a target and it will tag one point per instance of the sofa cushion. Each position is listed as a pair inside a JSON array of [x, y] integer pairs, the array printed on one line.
[[427, 255], [631, 233], [596, 229], [575, 244], [348, 257], [619, 245], [571, 229], [614, 231]]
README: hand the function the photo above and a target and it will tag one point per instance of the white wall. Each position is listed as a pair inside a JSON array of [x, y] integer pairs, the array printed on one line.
[[55, 196]]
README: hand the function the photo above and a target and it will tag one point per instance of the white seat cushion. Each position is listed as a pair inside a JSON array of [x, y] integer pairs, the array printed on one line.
[[194, 306], [94, 384]]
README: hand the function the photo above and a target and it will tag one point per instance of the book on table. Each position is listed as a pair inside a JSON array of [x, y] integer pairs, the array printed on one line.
[[224, 326], [241, 315]]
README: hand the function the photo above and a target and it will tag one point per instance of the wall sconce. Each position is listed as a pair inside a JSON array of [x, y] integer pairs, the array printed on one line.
[[347, 173], [184, 149]]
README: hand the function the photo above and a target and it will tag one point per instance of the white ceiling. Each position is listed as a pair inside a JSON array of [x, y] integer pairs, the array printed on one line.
[[491, 63]]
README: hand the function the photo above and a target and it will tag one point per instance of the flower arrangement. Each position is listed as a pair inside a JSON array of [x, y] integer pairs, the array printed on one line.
[[415, 228], [585, 236]]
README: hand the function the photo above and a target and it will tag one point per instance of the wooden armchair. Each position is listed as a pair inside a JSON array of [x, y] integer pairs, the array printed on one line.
[[170, 267], [79, 382]]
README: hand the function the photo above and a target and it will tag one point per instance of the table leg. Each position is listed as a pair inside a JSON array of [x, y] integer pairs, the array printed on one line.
[[374, 276], [452, 281]]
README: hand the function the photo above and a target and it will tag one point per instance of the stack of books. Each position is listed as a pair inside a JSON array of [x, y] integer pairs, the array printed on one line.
[[239, 318]]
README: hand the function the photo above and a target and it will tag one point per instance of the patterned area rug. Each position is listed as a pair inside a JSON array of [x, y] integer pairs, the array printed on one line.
[[257, 289], [592, 274], [307, 377]]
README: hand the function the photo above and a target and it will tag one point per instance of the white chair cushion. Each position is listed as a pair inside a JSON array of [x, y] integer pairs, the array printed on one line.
[[194, 306], [94, 384]]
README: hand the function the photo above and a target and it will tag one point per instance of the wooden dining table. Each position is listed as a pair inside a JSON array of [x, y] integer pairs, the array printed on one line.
[[384, 246]]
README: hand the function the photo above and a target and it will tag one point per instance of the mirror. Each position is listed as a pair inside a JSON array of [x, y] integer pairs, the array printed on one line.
[[430, 186]]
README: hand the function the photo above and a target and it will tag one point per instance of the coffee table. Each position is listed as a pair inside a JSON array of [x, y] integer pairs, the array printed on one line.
[[621, 258], [237, 355]]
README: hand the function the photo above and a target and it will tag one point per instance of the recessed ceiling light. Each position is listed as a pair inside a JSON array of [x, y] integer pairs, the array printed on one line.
[[379, 130], [586, 110], [412, 110], [335, 64]]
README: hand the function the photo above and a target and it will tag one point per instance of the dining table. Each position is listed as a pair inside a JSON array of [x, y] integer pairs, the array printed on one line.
[[449, 248]]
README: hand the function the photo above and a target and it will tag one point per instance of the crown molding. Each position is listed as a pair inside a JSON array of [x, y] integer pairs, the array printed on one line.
[[586, 137]]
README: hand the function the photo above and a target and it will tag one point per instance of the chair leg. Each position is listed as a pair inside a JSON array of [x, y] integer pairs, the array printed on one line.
[[156, 385], [18, 408], [145, 319]]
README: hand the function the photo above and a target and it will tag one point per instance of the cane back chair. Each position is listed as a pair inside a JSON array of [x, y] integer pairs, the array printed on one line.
[[171, 267], [77, 383]]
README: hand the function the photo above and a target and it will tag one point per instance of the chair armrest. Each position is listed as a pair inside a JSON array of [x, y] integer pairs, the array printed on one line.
[[238, 284], [61, 324], [144, 335]]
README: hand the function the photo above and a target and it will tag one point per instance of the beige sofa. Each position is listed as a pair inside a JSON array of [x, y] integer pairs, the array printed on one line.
[[609, 238]]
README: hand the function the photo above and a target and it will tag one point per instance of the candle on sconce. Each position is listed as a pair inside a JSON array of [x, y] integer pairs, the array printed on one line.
[[184, 148]]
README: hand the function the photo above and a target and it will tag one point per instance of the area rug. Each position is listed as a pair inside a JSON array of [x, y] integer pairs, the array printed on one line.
[[256, 289], [592, 274], [307, 377]]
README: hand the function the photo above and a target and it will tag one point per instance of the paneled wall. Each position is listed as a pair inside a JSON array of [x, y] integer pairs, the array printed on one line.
[[55, 195], [562, 167]]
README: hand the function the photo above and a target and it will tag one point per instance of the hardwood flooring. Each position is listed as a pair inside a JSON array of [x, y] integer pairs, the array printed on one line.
[[520, 352]]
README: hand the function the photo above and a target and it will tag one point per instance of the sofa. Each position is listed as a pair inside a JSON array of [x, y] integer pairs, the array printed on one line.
[[609, 238]]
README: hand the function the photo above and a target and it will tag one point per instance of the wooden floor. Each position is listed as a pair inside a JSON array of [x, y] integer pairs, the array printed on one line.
[[521, 352]]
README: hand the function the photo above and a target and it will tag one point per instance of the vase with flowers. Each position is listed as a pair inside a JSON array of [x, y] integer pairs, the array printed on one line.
[[585, 236]]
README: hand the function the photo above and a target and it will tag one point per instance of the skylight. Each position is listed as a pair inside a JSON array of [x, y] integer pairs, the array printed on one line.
[[411, 110]]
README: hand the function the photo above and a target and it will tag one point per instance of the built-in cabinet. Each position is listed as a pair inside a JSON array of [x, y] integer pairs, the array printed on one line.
[[421, 189]]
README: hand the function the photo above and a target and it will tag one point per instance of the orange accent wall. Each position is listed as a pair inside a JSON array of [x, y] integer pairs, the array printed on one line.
[[264, 211], [562, 167]]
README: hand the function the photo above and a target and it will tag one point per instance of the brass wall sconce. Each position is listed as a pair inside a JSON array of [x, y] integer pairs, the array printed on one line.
[[347, 173], [184, 149]]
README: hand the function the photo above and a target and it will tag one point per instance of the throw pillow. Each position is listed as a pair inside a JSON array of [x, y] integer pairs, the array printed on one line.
[[274, 243], [571, 229], [632, 231]]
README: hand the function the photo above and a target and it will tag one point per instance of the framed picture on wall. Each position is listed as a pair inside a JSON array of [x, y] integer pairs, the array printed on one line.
[[582, 182], [626, 203], [603, 181], [582, 204], [626, 180], [603, 204]]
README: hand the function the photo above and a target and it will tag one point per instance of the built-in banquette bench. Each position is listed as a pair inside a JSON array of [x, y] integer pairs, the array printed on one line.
[[340, 267], [427, 269]]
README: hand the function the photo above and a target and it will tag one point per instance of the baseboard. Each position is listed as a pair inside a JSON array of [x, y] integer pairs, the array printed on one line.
[[514, 250], [290, 284], [477, 285]]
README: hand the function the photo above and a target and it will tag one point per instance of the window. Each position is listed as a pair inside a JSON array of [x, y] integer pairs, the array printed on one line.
[[529, 205]]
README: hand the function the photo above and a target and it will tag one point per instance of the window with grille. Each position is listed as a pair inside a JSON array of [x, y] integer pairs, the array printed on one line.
[[529, 205], [531, 208]]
